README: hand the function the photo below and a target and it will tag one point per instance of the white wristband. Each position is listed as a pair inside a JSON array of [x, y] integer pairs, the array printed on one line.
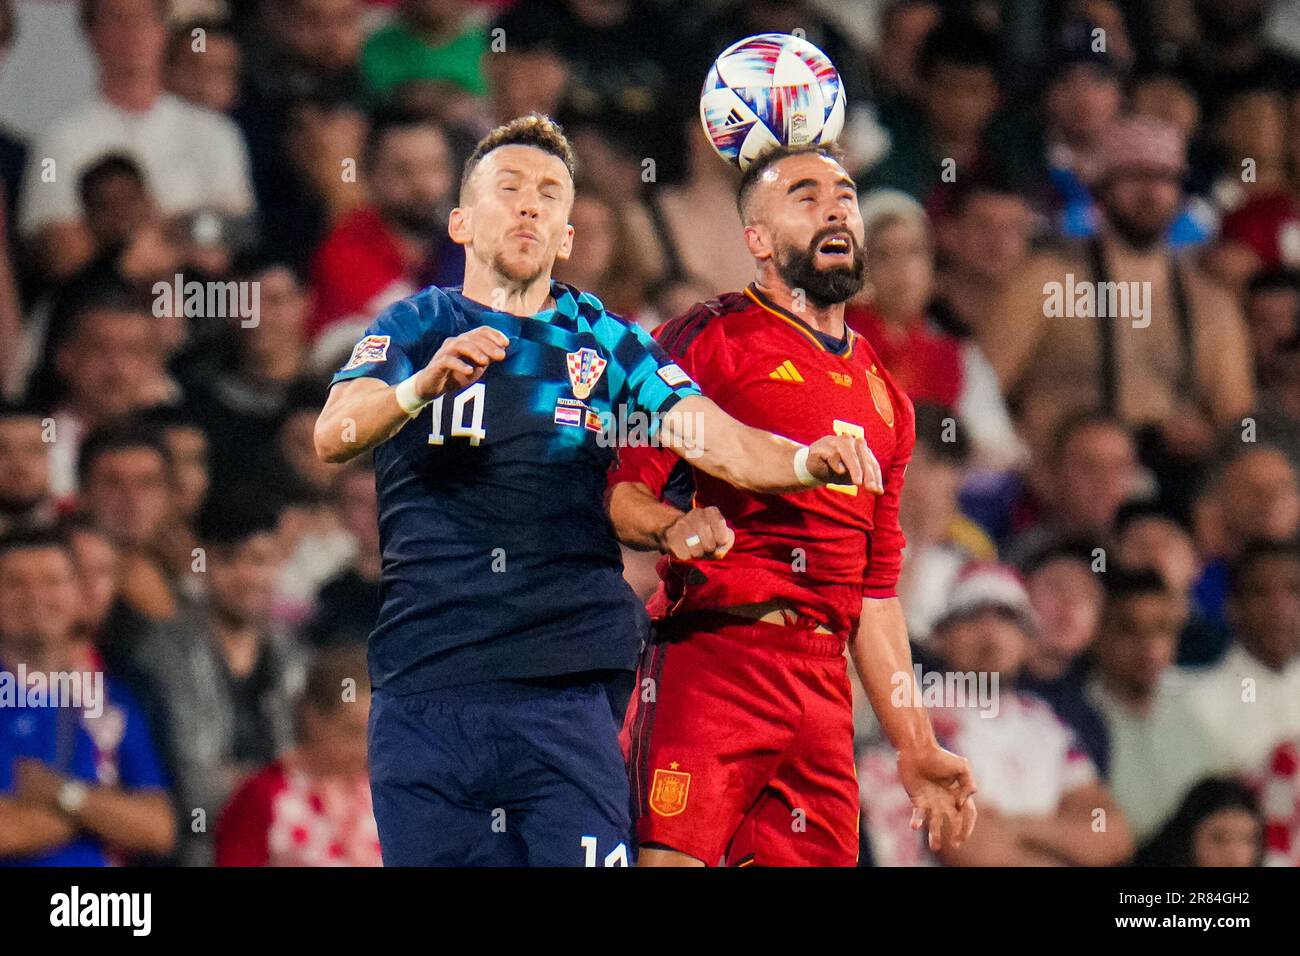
[[408, 398], [72, 797], [806, 477]]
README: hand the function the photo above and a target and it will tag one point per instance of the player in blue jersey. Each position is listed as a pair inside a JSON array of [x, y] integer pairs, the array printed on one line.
[[504, 612]]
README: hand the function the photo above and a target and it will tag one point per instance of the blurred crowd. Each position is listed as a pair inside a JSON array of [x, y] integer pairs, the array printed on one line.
[[1102, 578]]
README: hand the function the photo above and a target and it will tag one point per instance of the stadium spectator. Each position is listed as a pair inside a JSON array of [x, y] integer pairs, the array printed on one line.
[[203, 65], [895, 66], [1252, 494], [1278, 786], [603, 256], [1088, 473], [944, 136], [242, 386], [392, 246], [1148, 539], [940, 539], [25, 499], [441, 43], [317, 541], [1155, 753], [312, 806], [227, 680], [632, 73], [126, 480], [111, 364], [1249, 702], [528, 76], [981, 245], [1171, 360], [927, 363], [1232, 53], [194, 159], [696, 221], [1067, 597], [300, 111], [347, 605], [1218, 824], [81, 783], [1041, 793]]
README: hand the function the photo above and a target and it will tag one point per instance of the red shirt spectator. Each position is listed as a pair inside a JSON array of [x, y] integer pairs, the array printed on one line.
[[1269, 226], [925, 363], [285, 817]]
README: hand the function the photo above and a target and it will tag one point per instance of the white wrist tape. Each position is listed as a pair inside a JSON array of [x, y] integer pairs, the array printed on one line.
[[407, 397], [806, 477]]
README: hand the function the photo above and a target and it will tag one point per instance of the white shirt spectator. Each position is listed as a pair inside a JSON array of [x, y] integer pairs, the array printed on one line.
[[1244, 709], [192, 159], [1025, 760], [1155, 757]]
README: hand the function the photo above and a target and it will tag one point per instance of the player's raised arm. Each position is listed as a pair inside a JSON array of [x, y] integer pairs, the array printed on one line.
[[360, 413], [755, 460]]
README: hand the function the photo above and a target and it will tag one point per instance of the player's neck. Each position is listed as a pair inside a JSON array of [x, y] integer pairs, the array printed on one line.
[[488, 287], [829, 320]]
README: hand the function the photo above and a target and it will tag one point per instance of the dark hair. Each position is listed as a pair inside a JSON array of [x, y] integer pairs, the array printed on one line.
[[322, 691], [957, 41], [87, 11], [1138, 509], [930, 421], [24, 409], [104, 169], [235, 515], [392, 119], [1257, 552], [989, 182], [1072, 423], [535, 130], [1272, 280], [764, 161], [1069, 549], [1174, 844], [1122, 583], [119, 435], [109, 296], [8, 23], [38, 539]]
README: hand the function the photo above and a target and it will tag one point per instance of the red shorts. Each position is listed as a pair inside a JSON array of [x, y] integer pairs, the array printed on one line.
[[739, 741]]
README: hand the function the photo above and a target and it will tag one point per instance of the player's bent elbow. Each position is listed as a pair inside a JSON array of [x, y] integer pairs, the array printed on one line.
[[327, 440]]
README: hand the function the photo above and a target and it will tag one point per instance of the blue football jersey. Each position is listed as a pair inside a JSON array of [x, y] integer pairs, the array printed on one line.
[[499, 561]]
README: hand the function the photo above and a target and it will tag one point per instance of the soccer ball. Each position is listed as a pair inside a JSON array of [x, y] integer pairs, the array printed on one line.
[[770, 90]]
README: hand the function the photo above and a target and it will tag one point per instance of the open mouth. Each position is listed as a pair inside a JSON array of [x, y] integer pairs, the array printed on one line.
[[838, 245]]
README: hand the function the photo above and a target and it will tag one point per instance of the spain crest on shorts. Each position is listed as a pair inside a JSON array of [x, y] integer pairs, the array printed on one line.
[[880, 396], [668, 791], [585, 369]]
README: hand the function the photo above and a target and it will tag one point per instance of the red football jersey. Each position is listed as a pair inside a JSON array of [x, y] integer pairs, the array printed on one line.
[[821, 550]]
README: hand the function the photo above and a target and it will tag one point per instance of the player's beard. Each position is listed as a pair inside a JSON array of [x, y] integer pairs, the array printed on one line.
[[823, 287], [522, 275]]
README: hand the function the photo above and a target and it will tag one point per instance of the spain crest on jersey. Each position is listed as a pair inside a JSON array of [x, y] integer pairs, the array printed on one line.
[[585, 369], [880, 396], [668, 792]]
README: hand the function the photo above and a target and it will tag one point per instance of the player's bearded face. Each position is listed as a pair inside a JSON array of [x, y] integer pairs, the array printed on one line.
[[824, 284]]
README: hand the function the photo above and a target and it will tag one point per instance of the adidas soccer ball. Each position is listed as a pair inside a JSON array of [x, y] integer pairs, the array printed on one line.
[[770, 90]]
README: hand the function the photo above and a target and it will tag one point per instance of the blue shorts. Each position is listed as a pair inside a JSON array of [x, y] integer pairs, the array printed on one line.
[[514, 775]]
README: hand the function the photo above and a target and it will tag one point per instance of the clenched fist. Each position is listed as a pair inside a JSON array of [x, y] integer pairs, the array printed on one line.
[[700, 533], [461, 361], [845, 460]]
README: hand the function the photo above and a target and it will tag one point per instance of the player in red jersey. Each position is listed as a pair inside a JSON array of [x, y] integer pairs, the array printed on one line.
[[739, 738]]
